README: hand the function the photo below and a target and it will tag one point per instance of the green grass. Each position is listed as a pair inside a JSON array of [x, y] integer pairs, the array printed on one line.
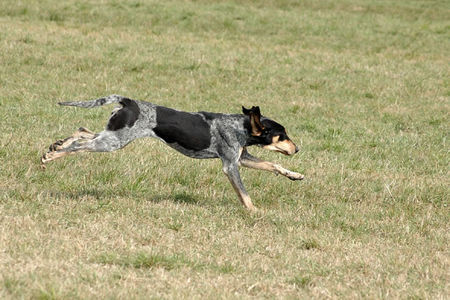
[[361, 86]]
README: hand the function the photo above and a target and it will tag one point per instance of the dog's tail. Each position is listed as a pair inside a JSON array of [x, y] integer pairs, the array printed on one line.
[[94, 103]]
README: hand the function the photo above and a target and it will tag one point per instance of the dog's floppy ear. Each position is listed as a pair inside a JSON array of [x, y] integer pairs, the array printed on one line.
[[255, 119]]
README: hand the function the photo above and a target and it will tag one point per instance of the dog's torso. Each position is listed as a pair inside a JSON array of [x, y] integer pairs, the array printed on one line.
[[194, 134]]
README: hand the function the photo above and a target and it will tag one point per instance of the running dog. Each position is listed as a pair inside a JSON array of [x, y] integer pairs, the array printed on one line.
[[194, 134]]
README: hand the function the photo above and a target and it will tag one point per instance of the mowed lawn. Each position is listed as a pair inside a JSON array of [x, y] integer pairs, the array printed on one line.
[[362, 87]]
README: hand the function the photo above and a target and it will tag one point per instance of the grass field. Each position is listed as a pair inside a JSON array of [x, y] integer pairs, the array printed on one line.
[[361, 86]]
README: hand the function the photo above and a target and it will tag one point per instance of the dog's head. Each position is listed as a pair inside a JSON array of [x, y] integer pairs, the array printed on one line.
[[268, 134]]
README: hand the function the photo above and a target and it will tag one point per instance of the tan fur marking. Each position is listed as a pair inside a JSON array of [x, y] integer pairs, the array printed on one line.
[[275, 139], [245, 199], [256, 124], [286, 147]]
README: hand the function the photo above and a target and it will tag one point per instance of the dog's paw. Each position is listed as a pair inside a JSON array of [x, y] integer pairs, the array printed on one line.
[[295, 176], [48, 157], [253, 209], [44, 159]]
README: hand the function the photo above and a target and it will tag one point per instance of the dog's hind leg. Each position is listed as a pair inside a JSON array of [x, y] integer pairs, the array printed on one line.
[[249, 161], [84, 141], [81, 133]]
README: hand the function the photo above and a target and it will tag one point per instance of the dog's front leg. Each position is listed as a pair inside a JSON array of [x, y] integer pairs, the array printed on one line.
[[250, 161], [232, 172]]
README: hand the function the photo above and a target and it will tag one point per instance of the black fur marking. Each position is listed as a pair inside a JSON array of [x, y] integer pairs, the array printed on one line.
[[186, 129], [126, 116], [271, 129], [211, 116]]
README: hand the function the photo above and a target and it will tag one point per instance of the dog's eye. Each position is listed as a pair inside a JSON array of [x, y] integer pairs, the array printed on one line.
[[282, 137]]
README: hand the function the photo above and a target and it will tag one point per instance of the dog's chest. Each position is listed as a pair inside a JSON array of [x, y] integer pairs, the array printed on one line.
[[204, 153]]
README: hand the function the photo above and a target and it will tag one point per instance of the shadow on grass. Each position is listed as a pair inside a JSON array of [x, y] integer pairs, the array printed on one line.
[[149, 260], [107, 194], [185, 198]]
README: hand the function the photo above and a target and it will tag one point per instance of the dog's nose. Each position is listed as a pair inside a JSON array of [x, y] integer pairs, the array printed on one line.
[[296, 149]]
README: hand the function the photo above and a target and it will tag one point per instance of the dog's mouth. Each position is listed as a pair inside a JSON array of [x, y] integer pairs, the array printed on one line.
[[283, 152], [279, 150]]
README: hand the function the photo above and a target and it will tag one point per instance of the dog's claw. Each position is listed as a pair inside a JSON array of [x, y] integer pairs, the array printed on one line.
[[55, 145]]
